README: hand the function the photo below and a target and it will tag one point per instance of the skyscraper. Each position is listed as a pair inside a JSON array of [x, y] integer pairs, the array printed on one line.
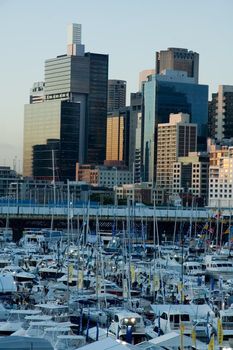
[[135, 135], [75, 101], [175, 139], [178, 59], [221, 113], [58, 120], [171, 92], [116, 94], [117, 142]]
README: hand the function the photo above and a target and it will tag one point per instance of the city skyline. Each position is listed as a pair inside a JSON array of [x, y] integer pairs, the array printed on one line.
[[130, 42]]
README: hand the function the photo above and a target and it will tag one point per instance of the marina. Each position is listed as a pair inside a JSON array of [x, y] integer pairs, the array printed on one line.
[[74, 287]]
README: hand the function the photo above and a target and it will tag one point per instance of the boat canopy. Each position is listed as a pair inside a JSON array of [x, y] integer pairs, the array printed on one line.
[[24, 343], [191, 309]]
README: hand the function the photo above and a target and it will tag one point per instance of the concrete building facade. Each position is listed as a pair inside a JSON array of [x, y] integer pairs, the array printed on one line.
[[175, 139], [178, 59], [221, 113], [103, 176], [191, 175], [221, 177], [116, 94]]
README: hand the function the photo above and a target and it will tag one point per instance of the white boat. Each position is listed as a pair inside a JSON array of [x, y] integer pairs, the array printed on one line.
[[15, 321], [217, 265], [226, 317], [126, 321], [95, 315], [193, 268], [171, 320], [70, 342]]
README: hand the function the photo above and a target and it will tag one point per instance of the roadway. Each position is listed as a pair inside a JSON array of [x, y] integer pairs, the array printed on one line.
[[106, 212]]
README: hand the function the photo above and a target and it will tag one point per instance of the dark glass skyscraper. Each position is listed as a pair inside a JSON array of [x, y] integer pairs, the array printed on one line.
[[96, 120], [73, 108], [58, 120], [172, 92]]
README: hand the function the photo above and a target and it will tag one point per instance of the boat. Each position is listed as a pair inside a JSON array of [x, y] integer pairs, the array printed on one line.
[[125, 322]]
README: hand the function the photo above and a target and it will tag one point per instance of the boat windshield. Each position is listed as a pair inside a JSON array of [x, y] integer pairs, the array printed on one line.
[[227, 318]]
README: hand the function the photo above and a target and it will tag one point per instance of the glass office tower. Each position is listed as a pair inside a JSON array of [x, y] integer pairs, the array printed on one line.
[[54, 119], [171, 92], [71, 106]]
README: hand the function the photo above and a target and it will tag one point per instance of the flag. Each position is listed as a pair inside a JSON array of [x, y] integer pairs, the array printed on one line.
[[212, 282], [88, 325], [80, 279], [227, 231], [132, 272], [220, 332], [181, 336], [159, 325], [125, 289], [211, 343], [97, 331], [81, 322], [156, 283], [118, 332], [207, 327], [98, 284], [129, 331], [70, 273], [194, 337]]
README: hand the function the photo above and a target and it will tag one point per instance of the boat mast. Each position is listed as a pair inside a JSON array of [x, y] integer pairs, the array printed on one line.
[[54, 189]]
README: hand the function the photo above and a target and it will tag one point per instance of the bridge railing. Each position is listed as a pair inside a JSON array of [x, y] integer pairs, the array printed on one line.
[[103, 211]]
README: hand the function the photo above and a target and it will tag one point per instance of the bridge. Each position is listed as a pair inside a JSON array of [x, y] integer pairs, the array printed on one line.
[[106, 212]]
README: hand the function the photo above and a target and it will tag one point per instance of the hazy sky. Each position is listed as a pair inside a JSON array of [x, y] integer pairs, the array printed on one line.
[[130, 31]]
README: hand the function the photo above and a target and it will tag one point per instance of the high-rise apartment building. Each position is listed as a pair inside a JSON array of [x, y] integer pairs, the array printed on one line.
[[171, 92], [191, 174], [221, 177], [221, 113], [175, 139], [116, 94], [178, 59], [74, 109], [117, 141]]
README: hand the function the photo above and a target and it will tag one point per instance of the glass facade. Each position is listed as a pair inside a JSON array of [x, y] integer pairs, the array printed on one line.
[[66, 74], [97, 109], [41, 122], [43, 160], [149, 130], [54, 119], [70, 139], [117, 141], [162, 98], [75, 98]]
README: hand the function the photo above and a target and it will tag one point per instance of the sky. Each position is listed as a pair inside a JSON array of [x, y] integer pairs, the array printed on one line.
[[130, 31]]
